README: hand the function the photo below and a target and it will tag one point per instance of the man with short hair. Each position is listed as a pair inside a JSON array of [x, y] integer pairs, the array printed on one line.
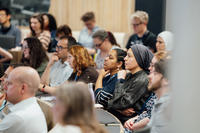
[[142, 35], [85, 37], [58, 69], [159, 84], [7, 28], [25, 116]]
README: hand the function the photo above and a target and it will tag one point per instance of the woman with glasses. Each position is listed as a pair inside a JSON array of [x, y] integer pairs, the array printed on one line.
[[82, 64], [104, 41], [34, 54]]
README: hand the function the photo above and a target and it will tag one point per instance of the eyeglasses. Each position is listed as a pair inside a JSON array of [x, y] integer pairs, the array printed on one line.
[[99, 45], [24, 47], [60, 47], [2, 15], [135, 25]]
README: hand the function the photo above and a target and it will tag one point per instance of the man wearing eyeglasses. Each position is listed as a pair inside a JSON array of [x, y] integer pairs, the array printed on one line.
[[139, 21], [7, 28], [58, 69]]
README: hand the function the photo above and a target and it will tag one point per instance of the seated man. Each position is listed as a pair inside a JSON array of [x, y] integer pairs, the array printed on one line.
[[7, 28], [25, 116], [58, 69]]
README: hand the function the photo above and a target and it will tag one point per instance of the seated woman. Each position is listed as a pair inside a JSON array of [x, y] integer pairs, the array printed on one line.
[[51, 26], [104, 42], [83, 67], [82, 64], [141, 120], [34, 54], [105, 84], [36, 24], [164, 41], [131, 89], [74, 110]]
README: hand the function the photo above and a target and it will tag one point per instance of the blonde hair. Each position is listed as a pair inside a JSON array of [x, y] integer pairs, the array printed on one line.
[[141, 15], [160, 55], [79, 107]]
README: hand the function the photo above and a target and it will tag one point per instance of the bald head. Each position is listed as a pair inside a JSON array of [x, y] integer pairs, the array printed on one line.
[[28, 76]]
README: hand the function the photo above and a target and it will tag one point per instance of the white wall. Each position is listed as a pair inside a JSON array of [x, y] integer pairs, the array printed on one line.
[[183, 18]]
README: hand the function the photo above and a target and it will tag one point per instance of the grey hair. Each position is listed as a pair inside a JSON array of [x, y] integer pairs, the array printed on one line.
[[101, 34], [141, 15]]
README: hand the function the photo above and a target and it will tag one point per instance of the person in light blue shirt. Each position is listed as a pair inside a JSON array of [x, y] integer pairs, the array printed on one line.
[[85, 37], [58, 70]]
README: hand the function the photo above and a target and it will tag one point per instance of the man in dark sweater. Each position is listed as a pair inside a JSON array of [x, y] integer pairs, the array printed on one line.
[[7, 28], [141, 35]]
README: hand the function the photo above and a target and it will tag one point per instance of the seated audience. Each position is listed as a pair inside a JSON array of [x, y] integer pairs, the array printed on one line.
[[58, 69], [142, 35], [104, 42], [51, 26], [36, 24], [85, 37], [22, 83], [131, 88], [83, 65], [164, 41], [159, 84], [74, 110], [107, 78], [141, 120], [7, 28], [34, 54]]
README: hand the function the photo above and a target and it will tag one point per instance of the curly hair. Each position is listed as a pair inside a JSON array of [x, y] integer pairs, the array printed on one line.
[[82, 59], [40, 20], [52, 21], [37, 53]]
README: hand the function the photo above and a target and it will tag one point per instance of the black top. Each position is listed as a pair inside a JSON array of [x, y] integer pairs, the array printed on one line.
[[88, 75], [129, 93], [148, 39]]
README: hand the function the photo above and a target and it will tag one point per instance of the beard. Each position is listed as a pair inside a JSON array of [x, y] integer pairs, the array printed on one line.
[[154, 86]]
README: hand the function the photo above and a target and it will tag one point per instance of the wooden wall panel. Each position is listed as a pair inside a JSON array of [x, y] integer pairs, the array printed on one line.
[[113, 15]]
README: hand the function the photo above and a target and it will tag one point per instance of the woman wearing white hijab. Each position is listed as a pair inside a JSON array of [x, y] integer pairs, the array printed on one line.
[[164, 41]]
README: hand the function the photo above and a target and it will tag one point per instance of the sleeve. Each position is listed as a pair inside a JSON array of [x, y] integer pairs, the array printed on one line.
[[127, 99], [45, 39], [10, 124], [18, 37], [102, 95]]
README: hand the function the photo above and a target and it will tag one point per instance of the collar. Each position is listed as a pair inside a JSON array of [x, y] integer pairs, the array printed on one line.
[[144, 35], [23, 104]]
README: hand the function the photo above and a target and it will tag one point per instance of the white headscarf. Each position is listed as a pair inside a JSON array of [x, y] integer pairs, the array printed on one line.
[[168, 39]]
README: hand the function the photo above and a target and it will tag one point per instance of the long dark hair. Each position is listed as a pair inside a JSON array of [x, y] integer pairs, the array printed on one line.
[[40, 20], [52, 22], [37, 53], [121, 54]]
